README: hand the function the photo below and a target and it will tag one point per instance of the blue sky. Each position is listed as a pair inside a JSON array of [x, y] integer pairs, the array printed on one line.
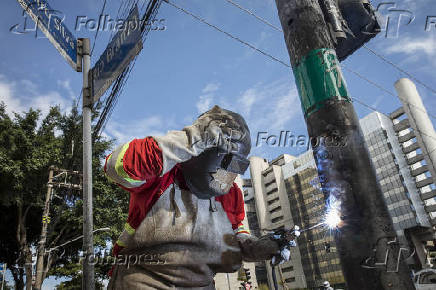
[[189, 67]]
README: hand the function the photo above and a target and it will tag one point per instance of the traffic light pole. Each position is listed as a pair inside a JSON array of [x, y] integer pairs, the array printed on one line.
[[366, 242], [88, 240]]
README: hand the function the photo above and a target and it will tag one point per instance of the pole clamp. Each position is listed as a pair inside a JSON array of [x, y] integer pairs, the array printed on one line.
[[87, 101]]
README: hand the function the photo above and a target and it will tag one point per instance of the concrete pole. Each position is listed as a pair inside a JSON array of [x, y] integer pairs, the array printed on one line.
[[419, 120], [88, 240], [43, 239], [347, 176]]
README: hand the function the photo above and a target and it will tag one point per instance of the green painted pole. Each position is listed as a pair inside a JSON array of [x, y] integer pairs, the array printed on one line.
[[366, 241]]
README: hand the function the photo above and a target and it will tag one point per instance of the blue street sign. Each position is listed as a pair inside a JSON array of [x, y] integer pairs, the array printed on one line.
[[2, 267], [51, 24], [124, 46]]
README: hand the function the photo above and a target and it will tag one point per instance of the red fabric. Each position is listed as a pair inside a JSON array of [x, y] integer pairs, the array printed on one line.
[[233, 205], [116, 249], [143, 159], [105, 163]]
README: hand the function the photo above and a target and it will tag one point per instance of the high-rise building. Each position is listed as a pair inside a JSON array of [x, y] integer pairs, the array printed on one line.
[[402, 147], [273, 212], [317, 250]]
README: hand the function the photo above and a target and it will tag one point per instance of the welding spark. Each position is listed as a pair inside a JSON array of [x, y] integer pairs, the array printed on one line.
[[332, 218], [333, 214]]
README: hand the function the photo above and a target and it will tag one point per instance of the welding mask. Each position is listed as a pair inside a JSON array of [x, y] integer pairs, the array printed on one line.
[[213, 172]]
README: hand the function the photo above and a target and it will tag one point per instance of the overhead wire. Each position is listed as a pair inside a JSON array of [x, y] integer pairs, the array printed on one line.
[[399, 68], [227, 33], [385, 90], [287, 65], [118, 86], [254, 15], [98, 26], [354, 72]]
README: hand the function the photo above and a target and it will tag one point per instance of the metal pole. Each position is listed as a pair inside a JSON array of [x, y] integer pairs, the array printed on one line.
[[88, 241], [347, 176]]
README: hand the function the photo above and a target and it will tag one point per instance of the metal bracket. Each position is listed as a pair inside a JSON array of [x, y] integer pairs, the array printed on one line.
[[86, 93], [79, 55]]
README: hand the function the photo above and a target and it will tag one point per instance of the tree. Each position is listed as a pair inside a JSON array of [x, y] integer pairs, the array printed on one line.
[[28, 147]]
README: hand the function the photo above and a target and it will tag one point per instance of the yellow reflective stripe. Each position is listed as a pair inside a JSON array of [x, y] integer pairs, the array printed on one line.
[[129, 229], [241, 228], [107, 165], [121, 244], [120, 169], [119, 162]]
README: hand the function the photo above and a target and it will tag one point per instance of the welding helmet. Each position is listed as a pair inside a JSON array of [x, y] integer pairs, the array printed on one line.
[[213, 172]]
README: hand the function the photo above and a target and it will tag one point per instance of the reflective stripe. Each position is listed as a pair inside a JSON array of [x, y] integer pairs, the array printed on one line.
[[120, 243], [115, 169], [119, 162], [105, 172], [129, 229], [242, 230]]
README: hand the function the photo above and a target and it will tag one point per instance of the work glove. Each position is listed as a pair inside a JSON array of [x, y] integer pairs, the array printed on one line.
[[286, 240], [274, 246]]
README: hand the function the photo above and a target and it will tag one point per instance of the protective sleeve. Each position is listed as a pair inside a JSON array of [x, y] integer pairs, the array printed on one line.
[[177, 147], [132, 164], [233, 205]]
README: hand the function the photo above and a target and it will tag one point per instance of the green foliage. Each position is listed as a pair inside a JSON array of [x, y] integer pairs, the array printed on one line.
[[29, 145]]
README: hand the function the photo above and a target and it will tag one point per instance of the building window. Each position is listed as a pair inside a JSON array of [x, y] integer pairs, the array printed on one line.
[[273, 201], [277, 219], [288, 269], [275, 209], [271, 191], [290, 280]]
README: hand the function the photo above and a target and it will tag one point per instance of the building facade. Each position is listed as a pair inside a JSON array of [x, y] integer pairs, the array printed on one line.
[[317, 251], [287, 192]]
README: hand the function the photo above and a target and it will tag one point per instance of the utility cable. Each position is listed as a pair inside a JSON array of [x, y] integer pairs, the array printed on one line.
[[399, 68], [98, 26], [385, 90], [254, 15], [365, 46], [227, 33]]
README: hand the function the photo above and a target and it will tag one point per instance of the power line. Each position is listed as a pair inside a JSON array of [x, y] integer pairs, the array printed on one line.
[[367, 80], [366, 47], [385, 90], [98, 27], [254, 15], [399, 68], [118, 86], [227, 33]]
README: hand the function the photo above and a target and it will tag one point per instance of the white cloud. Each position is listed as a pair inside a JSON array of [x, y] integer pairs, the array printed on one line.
[[150, 126], [66, 85], [210, 88], [20, 96], [413, 46], [206, 101]]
